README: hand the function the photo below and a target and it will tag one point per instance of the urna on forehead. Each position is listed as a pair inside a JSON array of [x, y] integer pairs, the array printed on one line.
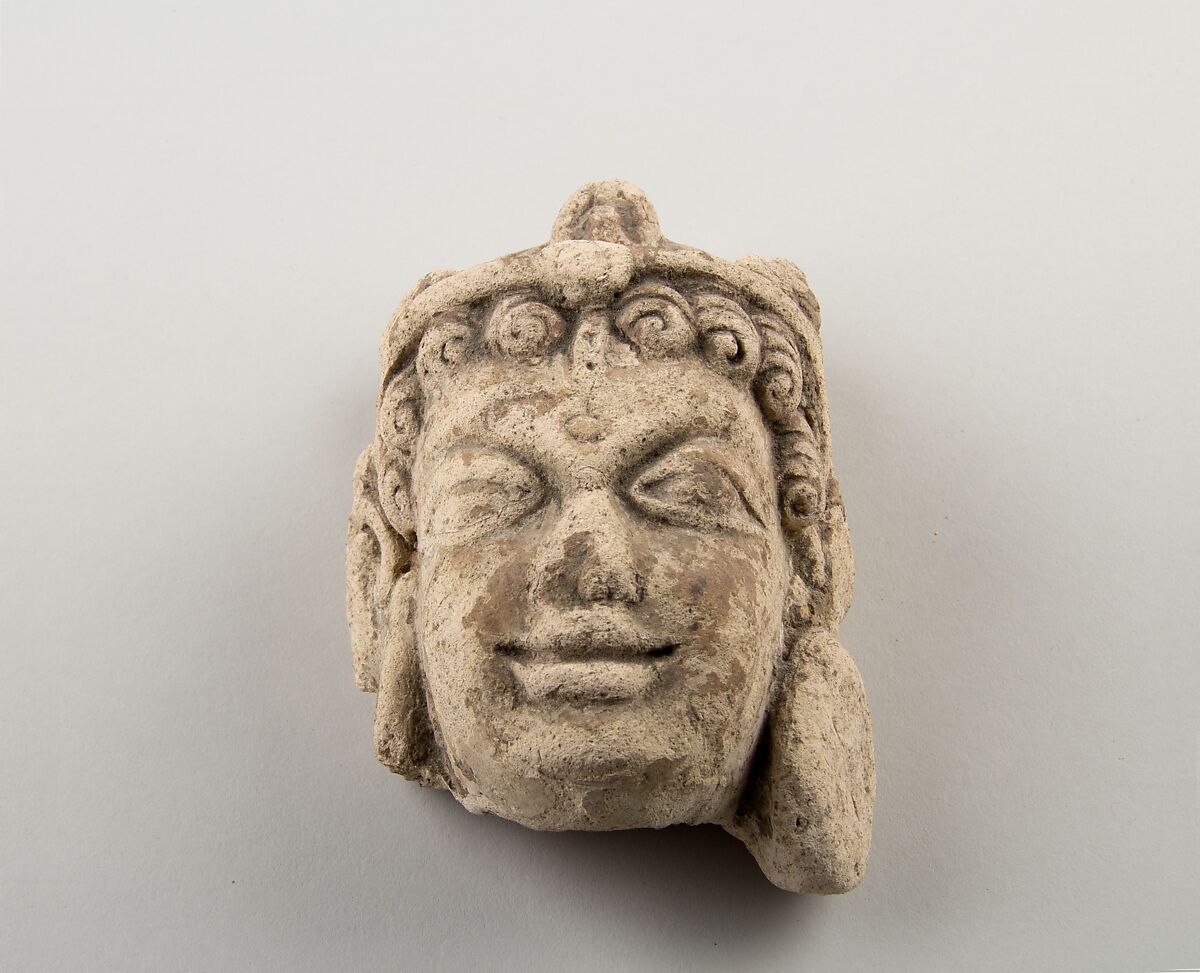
[[585, 424]]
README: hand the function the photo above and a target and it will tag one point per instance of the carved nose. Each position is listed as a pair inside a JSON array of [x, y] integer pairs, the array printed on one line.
[[589, 555], [599, 583]]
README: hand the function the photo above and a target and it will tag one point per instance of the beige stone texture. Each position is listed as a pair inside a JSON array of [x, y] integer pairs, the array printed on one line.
[[598, 556]]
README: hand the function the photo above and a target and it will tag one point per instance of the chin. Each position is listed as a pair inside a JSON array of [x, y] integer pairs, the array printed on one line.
[[604, 768], [590, 806]]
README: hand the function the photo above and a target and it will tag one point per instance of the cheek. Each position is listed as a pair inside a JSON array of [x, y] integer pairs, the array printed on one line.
[[481, 588], [722, 598], [708, 581], [470, 599]]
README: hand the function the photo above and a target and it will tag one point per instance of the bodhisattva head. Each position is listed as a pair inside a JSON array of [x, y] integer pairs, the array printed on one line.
[[598, 557]]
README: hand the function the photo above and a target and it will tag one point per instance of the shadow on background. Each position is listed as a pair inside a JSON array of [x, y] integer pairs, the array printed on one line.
[[700, 876]]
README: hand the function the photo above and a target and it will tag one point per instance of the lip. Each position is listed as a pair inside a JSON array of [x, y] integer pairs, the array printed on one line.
[[579, 667], [582, 682], [585, 646]]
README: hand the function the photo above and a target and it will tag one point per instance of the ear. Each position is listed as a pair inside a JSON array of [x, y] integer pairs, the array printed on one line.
[[806, 812], [380, 582], [404, 739], [371, 565]]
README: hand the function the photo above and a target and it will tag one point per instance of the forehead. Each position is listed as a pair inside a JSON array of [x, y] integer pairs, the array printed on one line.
[[567, 423]]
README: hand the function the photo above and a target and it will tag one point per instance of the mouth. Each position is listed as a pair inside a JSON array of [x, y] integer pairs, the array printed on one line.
[[581, 669]]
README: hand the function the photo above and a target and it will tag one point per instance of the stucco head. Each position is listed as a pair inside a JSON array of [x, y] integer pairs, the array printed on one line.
[[598, 554]]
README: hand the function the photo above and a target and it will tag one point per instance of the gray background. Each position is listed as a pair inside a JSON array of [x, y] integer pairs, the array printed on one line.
[[210, 210]]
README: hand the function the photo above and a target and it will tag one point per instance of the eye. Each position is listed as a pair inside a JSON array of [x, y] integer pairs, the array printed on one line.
[[694, 487], [475, 493]]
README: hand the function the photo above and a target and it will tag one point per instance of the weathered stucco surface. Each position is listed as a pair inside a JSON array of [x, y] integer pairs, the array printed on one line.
[[598, 557]]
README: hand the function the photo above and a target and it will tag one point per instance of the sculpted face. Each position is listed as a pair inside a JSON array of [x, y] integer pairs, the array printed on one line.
[[598, 556], [601, 578]]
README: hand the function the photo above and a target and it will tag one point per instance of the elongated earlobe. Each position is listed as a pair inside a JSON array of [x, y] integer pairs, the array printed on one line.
[[379, 601], [806, 812], [372, 561], [404, 739]]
